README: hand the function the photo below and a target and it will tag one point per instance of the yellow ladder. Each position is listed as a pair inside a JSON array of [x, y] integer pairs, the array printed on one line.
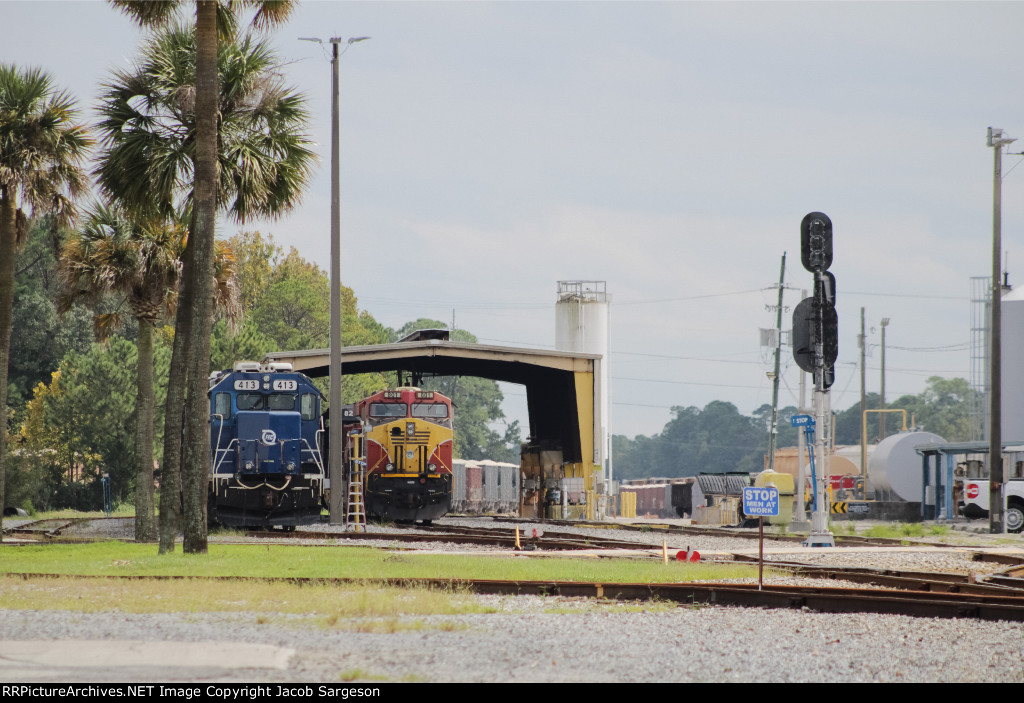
[[355, 519]]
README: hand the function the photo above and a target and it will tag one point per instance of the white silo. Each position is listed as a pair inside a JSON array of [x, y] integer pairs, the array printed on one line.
[[581, 325]]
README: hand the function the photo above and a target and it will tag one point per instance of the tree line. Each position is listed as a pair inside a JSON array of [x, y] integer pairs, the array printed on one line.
[[718, 438], [121, 306], [73, 377]]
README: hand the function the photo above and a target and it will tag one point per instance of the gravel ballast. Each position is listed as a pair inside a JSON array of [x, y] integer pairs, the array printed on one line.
[[556, 639], [522, 643]]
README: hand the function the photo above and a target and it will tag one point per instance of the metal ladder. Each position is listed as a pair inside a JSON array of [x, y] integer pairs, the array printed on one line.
[[355, 517]]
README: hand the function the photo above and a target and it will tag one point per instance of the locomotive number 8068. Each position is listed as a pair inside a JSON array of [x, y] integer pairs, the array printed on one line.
[[407, 440]]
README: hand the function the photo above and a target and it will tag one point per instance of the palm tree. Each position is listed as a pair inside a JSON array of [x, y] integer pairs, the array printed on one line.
[[262, 175], [41, 155], [139, 263]]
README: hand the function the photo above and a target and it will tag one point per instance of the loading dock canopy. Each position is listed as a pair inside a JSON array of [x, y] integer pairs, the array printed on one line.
[[958, 448], [549, 377]]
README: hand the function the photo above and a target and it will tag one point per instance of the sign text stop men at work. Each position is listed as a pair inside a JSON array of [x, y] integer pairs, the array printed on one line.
[[761, 501]]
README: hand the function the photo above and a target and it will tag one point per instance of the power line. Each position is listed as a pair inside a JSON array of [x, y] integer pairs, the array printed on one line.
[[688, 297], [687, 358], [909, 295], [683, 383], [960, 346]]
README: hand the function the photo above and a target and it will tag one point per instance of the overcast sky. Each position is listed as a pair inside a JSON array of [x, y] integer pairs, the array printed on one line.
[[491, 149]]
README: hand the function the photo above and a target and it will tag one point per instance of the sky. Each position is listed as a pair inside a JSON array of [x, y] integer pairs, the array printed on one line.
[[671, 149]]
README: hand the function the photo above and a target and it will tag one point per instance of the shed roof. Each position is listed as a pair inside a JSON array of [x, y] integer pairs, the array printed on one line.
[[548, 375]]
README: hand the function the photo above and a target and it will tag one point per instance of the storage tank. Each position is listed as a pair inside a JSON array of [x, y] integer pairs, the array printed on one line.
[[846, 459], [581, 325], [895, 465]]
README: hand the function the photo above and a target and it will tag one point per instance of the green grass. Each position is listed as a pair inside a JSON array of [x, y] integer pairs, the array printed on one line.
[[355, 607], [900, 530], [237, 560], [376, 608], [359, 606]]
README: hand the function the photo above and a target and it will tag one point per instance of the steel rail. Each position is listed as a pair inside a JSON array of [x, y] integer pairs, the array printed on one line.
[[549, 541], [828, 600], [42, 526], [928, 581], [747, 533]]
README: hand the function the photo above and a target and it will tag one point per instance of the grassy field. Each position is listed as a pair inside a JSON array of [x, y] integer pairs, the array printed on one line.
[[130, 559], [351, 606]]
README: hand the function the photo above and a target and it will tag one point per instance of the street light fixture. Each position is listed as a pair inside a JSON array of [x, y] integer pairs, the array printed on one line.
[[335, 438]]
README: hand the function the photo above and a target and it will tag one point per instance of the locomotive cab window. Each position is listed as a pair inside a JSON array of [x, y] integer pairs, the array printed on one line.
[[222, 405], [387, 410], [430, 410], [250, 401], [308, 406], [281, 401]]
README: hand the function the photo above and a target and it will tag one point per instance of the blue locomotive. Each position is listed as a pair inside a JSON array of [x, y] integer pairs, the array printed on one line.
[[266, 437]]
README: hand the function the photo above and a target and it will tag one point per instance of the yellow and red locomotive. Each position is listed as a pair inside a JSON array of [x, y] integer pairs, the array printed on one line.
[[407, 445]]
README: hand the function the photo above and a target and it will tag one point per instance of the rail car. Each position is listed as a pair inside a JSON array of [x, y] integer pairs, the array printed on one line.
[[485, 487], [266, 433], [407, 444]]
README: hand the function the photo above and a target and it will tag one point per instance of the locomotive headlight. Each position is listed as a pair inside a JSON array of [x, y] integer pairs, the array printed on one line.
[[389, 467], [290, 466], [410, 428], [248, 466], [432, 468], [411, 454]]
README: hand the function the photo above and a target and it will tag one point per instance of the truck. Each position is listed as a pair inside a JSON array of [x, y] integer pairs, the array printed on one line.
[[976, 494]]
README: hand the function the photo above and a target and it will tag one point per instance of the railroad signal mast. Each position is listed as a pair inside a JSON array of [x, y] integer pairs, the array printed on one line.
[[815, 349]]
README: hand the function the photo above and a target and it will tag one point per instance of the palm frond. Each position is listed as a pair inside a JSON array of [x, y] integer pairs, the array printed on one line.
[[42, 150], [148, 130], [149, 13]]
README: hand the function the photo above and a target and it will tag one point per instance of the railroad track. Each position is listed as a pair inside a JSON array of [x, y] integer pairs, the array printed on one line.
[[827, 600], [914, 593], [1010, 581], [497, 537], [52, 529], [747, 533], [928, 581]]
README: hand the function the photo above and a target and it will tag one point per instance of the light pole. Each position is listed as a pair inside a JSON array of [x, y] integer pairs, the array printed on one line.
[[997, 139], [881, 400], [335, 438]]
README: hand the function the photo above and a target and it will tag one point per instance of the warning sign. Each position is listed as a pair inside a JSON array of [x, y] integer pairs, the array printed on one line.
[[849, 508], [761, 501]]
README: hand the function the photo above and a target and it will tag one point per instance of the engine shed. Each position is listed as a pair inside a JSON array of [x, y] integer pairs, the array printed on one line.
[[561, 387]]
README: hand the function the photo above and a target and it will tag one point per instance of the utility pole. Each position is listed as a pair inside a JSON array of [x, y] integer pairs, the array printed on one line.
[[800, 517], [997, 140], [863, 400], [773, 437], [335, 439], [338, 509], [881, 400]]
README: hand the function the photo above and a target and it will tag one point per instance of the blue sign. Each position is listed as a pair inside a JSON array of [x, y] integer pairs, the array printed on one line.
[[761, 501], [801, 420]]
